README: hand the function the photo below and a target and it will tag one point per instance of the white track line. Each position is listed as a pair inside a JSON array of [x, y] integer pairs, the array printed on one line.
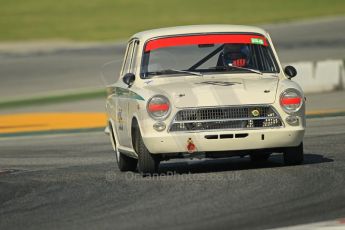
[[325, 225]]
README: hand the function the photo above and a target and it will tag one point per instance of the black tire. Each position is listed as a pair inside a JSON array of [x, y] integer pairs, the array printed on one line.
[[147, 163], [126, 163], [294, 155], [259, 157]]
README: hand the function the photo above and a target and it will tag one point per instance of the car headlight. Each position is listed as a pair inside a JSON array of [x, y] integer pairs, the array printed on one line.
[[291, 101], [158, 107]]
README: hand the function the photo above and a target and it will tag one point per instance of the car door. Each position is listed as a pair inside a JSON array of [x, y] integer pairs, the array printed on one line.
[[124, 97]]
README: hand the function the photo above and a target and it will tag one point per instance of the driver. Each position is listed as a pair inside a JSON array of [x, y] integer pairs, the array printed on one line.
[[234, 55]]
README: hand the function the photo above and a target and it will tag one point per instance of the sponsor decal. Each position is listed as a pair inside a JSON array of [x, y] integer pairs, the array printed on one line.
[[257, 41], [120, 119]]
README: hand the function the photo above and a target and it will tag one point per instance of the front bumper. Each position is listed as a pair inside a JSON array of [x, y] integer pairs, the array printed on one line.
[[247, 140]]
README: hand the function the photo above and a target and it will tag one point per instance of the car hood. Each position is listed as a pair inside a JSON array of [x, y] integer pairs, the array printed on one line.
[[216, 91]]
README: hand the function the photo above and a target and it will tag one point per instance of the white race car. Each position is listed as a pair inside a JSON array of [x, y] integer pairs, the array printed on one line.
[[208, 90]]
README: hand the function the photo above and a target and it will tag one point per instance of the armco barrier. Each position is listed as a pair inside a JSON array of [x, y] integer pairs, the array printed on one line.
[[328, 75], [322, 76], [305, 75], [343, 76]]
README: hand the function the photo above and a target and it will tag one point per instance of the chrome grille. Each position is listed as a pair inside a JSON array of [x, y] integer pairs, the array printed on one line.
[[247, 117]]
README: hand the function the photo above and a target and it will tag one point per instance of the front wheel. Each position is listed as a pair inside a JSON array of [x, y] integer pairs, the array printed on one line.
[[126, 163], [294, 155], [147, 162]]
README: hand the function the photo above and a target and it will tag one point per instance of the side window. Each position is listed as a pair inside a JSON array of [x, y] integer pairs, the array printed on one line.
[[133, 67], [127, 61]]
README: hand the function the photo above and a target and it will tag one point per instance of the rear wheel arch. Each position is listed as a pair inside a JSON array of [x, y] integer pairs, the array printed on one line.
[[134, 127], [112, 134], [110, 125], [124, 162]]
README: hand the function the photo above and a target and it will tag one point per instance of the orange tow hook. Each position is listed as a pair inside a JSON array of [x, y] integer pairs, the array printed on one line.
[[190, 146]]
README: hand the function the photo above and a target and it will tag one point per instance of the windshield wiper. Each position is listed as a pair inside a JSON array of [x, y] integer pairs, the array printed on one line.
[[183, 71], [236, 67], [167, 71], [243, 68]]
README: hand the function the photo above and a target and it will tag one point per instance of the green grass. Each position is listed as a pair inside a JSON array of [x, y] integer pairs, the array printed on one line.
[[117, 19], [47, 100]]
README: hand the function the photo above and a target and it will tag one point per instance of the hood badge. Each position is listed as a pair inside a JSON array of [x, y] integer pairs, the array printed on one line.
[[182, 95], [255, 113], [267, 91], [148, 82]]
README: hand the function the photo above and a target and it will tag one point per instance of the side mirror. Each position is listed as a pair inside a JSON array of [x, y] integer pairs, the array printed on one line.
[[128, 79], [290, 71]]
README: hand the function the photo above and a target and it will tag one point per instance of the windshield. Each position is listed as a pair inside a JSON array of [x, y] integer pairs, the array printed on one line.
[[202, 54]]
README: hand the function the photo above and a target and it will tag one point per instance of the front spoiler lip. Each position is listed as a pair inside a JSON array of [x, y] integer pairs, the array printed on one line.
[[273, 138], [226, 130]]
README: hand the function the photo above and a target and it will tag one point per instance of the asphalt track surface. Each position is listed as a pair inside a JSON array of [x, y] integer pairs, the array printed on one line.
[[38, 72], [71, 182]]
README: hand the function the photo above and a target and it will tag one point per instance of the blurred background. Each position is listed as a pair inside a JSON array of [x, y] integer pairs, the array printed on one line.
[[53, 52], [58, 169], [110, 20]]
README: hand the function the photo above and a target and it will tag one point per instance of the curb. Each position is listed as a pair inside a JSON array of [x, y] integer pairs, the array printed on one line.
[[30, 123], [51, 132]]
